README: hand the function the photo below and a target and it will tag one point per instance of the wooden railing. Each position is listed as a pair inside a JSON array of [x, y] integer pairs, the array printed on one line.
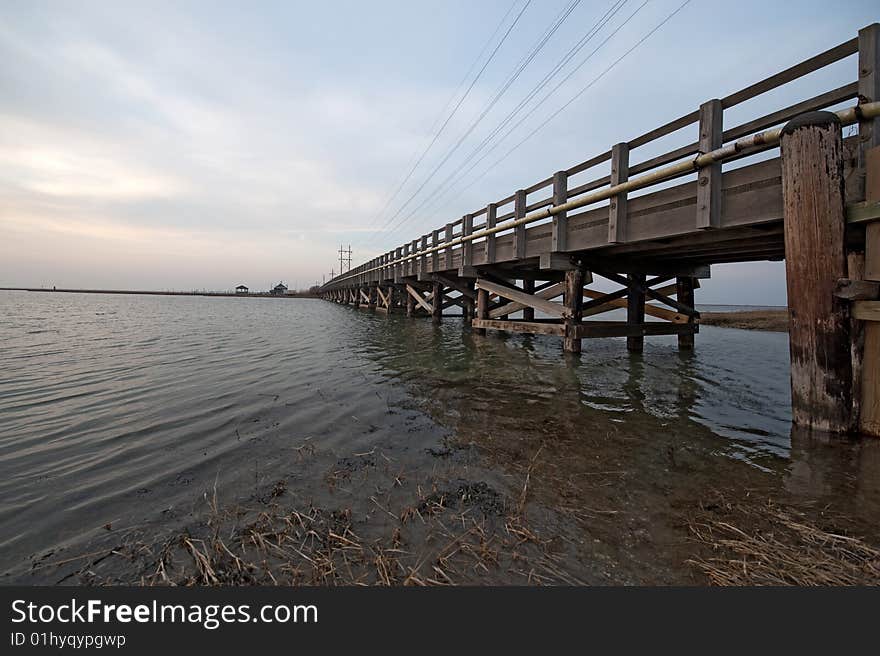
[[511, 214]]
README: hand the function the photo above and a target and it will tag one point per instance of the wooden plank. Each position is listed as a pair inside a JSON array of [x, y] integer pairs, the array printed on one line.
[[548, 293], [823, 100], [589, 329], [651, 310], [857, 290], [866, 310], [536, 328], [872, 230], [553, 309], [617, 206], [556, 262], [709, 178], [559, 229], [819, 329], [865, 212], [417, 297], [798, 70], [519, 232], [869, 419]]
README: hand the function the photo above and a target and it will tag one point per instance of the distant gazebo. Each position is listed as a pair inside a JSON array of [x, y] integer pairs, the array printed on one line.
[[280, 289], [241, 289]]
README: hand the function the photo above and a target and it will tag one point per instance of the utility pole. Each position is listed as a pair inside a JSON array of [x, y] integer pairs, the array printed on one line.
[[344, 259]]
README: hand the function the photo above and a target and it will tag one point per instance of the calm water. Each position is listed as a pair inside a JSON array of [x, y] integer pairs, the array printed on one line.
[[125, 410]]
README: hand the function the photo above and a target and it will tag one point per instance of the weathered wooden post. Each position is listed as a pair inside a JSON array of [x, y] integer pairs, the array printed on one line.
[[814, 222], [684, 293], [573, 299], [635, 310], [529, 288], [469, 309], [373, 296], [437, 303], [482, 309]]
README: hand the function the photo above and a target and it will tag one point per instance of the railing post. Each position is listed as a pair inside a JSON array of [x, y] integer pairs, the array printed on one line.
[[519, 232], [423, 260], [559, 231], [467, 248], [709, 178], [491, 219], [404, 265], [435, 256], [814, 223], [413, 263], [447, 252], [617, 206]]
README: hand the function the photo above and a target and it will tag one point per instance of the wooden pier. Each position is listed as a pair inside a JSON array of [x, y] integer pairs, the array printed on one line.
[[785, 185]]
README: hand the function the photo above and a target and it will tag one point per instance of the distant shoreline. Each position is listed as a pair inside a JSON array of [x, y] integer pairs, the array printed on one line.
[[769, 320], [157, 293]]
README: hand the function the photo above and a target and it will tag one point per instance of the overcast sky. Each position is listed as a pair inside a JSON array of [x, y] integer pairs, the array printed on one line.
[[200, 145]]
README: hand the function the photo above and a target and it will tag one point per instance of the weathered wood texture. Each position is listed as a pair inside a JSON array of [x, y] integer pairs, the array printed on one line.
[[869, 402], [813, 197], [573, 299], [635, 311]]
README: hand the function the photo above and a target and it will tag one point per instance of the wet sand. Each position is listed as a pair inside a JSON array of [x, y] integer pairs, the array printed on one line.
[[772, 320]]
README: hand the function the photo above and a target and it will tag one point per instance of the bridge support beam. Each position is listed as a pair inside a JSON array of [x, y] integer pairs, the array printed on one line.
[[814, 223]]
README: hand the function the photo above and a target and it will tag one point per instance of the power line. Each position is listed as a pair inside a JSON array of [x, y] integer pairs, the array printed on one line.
[[579, 93], [439, 191], [558, 21], [454, 110]]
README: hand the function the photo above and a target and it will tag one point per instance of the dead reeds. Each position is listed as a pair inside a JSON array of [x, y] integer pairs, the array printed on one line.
[[787, 549]]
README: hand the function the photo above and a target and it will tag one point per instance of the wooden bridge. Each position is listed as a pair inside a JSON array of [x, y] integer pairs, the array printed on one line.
[[785, 185]]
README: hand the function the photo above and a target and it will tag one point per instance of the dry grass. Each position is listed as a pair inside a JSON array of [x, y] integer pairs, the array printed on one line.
[[771, 320], [788, 550]]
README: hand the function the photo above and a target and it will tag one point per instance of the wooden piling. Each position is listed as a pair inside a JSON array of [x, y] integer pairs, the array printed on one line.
[[437, 303], [684, 293], [573, 300], [635, 310], [529, 288], [814, 222], [482, 309]]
